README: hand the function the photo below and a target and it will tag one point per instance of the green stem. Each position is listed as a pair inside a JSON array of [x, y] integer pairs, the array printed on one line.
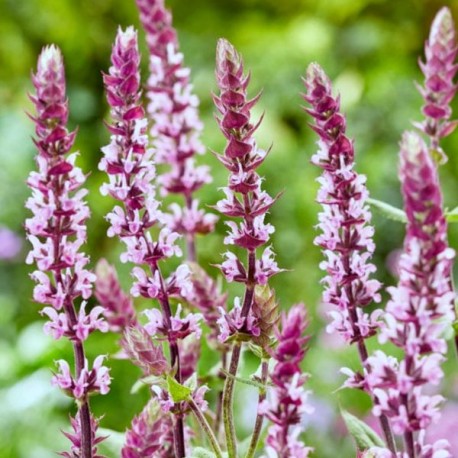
[[259, 418], [206, 428], [228, 399]]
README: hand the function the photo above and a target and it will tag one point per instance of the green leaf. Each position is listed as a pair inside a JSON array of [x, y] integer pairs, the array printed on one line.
[[365, 437], [452, 215], [455, 328], [200, 452], [393, 213], [177, 391]]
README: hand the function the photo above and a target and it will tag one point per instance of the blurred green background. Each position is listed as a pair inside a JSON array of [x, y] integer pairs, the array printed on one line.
[[370, 50]]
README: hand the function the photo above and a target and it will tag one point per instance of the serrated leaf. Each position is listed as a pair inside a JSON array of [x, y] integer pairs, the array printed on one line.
[[389, 211], [365, 437], [177, 391]]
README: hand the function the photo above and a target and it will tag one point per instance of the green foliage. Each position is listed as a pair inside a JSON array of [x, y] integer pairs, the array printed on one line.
[[177, 391], [365, 437], [388, 210]]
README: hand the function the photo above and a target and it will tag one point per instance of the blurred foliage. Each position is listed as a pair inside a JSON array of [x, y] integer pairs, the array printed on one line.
[[369, 48]]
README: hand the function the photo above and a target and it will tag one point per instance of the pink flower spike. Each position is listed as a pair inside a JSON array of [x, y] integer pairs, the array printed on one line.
[[288, 399], [57, 231], [346, 236], [439, 88], [176, 127], [420, 306], [150, 434]]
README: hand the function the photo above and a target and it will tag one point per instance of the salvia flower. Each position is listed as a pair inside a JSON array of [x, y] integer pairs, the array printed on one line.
[[57, 230], [244, 197], [95, 380], [439, 88], [138, 346], [175, 123], [75, 438], [129, 164], [346, 233], [150, 434], [179, 328], [233, 322], [421, 305], [346, 236], [287, 401], [119, 308]]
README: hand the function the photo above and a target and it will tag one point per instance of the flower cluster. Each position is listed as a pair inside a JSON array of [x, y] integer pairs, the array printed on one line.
[[165, 342], [244, 197], [129, 165], [346, 236], [421, 305], [288, 398], [142, 352], [439, 89], [75, 438], [150, 434], [233, 322], [176, 127], [95, 380], [57, 230]]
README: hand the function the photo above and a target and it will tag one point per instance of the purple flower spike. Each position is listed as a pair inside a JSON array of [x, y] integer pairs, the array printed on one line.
[[57, 230], [439, 89], [75, 438], [421, 305], [129, 164], [150, 434], [288, 398], [244, 197], [346, 236], [176, 126]]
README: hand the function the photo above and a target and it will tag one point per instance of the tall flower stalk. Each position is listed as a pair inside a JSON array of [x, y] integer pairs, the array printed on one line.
[[288, 400], [129, 164], [420, 308], [175, 124], [57, 230], [439, 88], [245, 200], [346, 233]]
